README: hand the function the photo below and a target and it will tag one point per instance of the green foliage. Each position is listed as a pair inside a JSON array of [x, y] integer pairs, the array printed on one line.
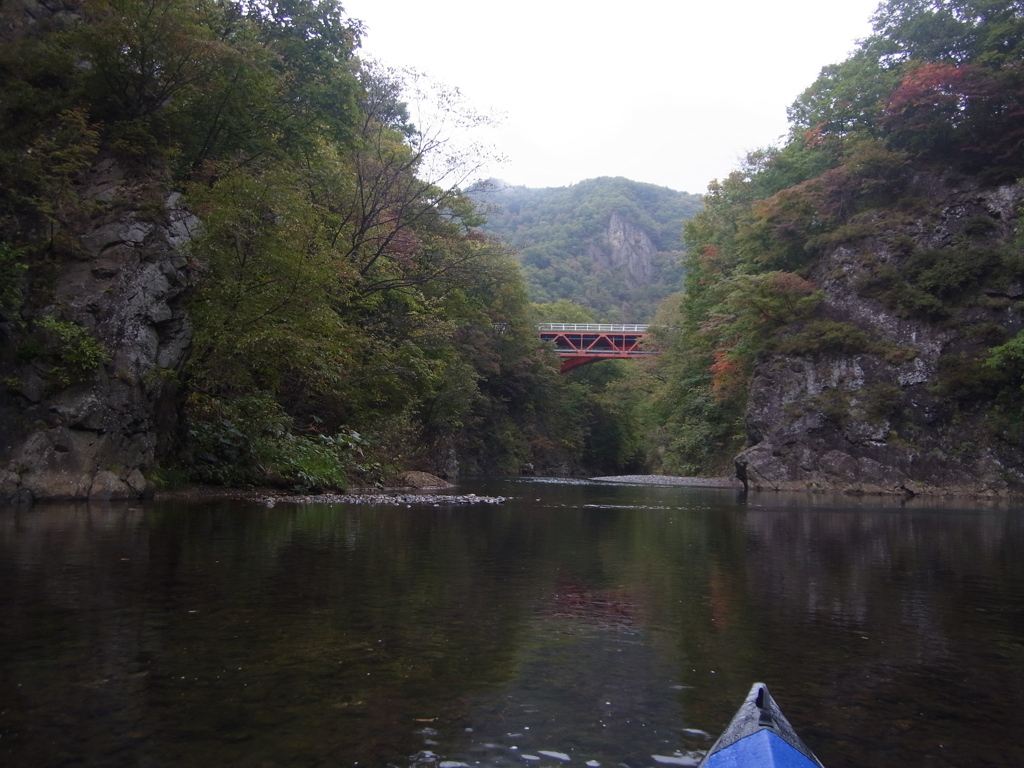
[[885, 283], [563, 311], [213, 80], [979, 226], [12, 269], [691, 430], [844, 103], [75, 352], [826, 337], [39, 198], [1008, 358], [881, 401], [939, 78], [354, 291], [754, 307], [990, 31], [558, 234], [962, 115], [965, 378], [426, 328], [262, 309], [683, 423], [948, 272], [1006, 362], [931, 283], [769, 300], [247, 441], [188, 82], [835, 405], [791, 227]]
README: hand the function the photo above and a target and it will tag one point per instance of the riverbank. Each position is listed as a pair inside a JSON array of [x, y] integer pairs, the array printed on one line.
[[272, 497], [410, 494]]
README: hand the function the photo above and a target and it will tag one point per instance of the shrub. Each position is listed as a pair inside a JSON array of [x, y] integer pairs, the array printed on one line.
[[12, 267], [949, 272], [820, 337], [248, 442], [881, 401], [1009, 358], [888, 286], [834, 405], [965, 378], [979, 226], [77, 351]]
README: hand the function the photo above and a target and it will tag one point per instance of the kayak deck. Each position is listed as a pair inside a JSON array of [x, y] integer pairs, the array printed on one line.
[[759, 736]]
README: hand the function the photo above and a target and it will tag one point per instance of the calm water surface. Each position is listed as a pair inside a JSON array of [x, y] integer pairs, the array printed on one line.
[[606, 623]]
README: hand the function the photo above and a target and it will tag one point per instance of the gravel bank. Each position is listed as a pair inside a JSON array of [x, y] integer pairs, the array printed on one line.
[[694, 482], [407, 499]]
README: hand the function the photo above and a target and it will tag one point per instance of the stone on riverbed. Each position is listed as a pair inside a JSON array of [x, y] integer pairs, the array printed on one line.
[[677, 759], [556, 755], [423, 480]]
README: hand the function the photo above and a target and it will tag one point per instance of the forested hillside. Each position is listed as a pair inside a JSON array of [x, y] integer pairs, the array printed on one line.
[[225, 257], [853, 309], [609, 244]]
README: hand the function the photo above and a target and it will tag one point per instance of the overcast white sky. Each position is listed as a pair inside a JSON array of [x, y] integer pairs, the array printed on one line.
[[667, 92]]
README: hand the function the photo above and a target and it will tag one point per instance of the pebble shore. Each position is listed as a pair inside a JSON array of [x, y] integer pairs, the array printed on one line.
[[437, 500], [407, 499]]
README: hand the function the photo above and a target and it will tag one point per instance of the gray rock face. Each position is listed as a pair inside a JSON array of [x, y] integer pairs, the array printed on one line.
[[19, 17], [625, 249], [98, 437], [876, 423]]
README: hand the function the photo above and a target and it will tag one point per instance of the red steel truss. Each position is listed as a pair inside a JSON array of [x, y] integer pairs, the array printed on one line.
[[582, 343]]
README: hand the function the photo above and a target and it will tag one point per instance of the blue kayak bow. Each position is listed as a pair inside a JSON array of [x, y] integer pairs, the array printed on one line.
[[759, 736]]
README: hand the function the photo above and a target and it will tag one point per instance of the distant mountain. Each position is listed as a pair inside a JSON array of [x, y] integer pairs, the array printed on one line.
[[610, 244]]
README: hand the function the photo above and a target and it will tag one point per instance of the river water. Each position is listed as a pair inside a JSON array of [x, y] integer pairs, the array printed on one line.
[[575, 623]]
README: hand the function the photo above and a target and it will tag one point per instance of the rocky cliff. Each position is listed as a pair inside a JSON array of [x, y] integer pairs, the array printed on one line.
[[99, 436], [89, 398], [624, 250], [893, 396]]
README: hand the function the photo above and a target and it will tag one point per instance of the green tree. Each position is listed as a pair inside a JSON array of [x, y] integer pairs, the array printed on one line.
[[563, 311]]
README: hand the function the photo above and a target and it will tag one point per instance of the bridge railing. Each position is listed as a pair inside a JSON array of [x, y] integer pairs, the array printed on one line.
[[593, 327]]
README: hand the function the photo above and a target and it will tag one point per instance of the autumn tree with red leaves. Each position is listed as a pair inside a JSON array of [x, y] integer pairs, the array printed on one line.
[[968, 115]]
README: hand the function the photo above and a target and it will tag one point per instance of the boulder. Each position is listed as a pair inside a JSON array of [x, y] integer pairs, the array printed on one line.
[[422, 480]]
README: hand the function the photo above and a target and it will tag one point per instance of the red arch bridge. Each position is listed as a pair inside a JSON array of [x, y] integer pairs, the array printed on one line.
[[582, 343]]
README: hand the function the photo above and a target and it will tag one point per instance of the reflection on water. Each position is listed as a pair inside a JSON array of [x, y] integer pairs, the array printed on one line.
[[580, 622]]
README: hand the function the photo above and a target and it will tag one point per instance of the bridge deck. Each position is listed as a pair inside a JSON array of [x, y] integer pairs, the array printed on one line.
[[583, 343]]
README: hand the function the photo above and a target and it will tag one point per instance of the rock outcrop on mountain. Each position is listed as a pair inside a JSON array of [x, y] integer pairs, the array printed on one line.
[[904, 402], [609, 244], [626, 250]]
